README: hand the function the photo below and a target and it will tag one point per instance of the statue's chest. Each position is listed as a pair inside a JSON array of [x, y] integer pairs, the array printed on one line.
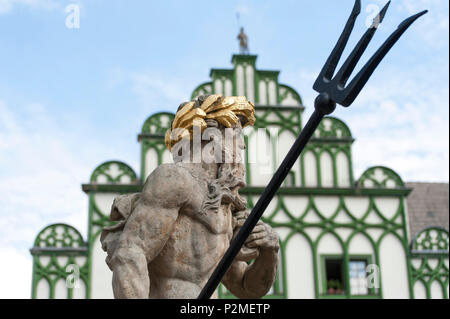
[[216, 221]]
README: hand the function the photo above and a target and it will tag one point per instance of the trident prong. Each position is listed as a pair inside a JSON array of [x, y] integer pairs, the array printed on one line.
[[334, 87], [331, 91]]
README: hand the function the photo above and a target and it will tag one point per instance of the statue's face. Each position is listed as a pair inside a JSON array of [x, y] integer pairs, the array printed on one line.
[[233, 154], [233, 145], [214, 145]]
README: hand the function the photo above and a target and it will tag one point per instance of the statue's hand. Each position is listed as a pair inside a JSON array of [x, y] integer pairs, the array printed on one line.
[[262, 238], [245, 254]]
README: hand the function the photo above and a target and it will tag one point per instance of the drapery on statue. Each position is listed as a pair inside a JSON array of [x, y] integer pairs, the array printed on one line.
[[171, 236], [243, 42]]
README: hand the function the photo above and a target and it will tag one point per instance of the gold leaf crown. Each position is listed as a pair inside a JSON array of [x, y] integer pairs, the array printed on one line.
[[225, 110]]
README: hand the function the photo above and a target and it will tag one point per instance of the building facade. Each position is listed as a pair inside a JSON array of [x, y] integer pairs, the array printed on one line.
[[341, 236]]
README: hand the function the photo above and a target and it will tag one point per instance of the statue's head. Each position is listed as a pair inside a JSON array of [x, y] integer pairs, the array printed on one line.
[[209, 129]]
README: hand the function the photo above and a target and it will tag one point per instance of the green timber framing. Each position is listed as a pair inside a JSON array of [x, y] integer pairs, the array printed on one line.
[[430, 246], [281, 90], [56, 248], [333, 137], [327, 224]]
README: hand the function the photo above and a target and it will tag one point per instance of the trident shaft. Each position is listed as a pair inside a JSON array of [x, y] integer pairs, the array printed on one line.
[[331, 90]]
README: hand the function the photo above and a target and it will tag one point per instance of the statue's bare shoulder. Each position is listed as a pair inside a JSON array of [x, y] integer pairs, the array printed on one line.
[[170, 186]]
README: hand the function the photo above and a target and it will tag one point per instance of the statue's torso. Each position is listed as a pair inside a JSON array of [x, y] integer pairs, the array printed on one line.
[[196, 245]]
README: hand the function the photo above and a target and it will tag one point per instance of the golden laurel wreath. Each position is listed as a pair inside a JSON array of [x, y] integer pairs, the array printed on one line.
[[225, 110]]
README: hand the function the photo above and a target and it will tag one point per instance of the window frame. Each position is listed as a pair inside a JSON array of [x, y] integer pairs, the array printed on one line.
[[323, 293]]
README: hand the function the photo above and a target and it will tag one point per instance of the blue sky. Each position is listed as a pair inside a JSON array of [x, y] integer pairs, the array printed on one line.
[[73, 98]]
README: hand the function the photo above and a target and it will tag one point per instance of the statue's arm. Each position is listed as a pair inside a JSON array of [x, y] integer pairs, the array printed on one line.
[[146, 232], [255, 280]]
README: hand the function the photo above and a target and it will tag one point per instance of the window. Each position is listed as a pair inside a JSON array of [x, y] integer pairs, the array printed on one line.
[[358, 277], [346, 280], [334, 275]]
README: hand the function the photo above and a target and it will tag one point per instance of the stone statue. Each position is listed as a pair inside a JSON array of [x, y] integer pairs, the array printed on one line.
[[243, 42], [170, 237]]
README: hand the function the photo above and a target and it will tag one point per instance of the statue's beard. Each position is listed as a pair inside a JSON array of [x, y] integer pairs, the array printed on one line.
[[225, 189]]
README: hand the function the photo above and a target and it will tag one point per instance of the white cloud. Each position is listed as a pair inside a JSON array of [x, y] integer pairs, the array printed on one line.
[[400, 120], [433, 25], [7, 6], [39, 185], [42, 174], [154, 89], [242, 9]]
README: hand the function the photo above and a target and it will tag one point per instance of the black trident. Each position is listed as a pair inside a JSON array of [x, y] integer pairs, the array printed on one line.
[[331, 90]]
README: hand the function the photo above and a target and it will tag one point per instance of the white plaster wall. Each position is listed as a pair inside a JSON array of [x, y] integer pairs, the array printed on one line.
[[270, 208], [60, 289], [228, 87], [310, 167], [44, 260], [62, 261], [373, 218], [240, 80], [104, 202], [101, 282], [218, 88], [166, 157], [343, 233], [272, 117], [296, 204], [327, 205], [326, 169], [289, 100], [299, 268], [329, 245], [272, 93], [388, 206], [250, 81], [394, 272], [285, 141], [436, 290], [261, 158], [420, 291], [357, 206], [43, 289], [262, 92], [343, 170], [101, 275], [311, 217], [151, 161], [79, 291], [360, 245]]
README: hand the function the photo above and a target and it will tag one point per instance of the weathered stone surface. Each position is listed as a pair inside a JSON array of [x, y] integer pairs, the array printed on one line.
[[170, 237]]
